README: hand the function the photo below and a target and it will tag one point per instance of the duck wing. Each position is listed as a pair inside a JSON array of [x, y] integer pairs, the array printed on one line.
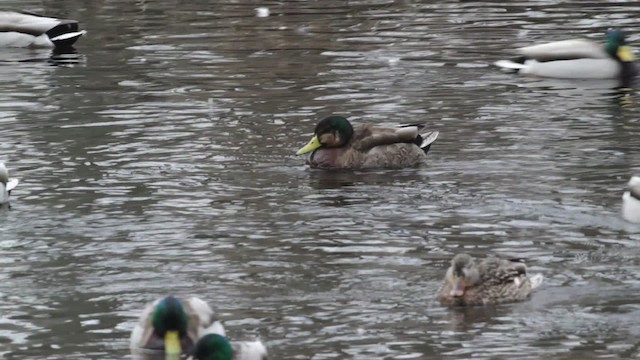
[[143, 329], [564, 50], [366, 138], [496, 272], [27, 23], [201, 319]]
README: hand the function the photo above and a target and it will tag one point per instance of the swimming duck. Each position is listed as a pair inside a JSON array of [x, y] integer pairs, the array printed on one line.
[[24, 29], [631, 201], [174, 325], [6, 184], [489, 281], [217, 347], [577, 59], [338, 144]]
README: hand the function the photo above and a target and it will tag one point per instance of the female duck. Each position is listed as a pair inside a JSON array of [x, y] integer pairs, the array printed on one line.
[[577, 59], [217, 347], [174, 325], [338, 144], [631, 201], [23, 29], [6, 184], [489, 281]]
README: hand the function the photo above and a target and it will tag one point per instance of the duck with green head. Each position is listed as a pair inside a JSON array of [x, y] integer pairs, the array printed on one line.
[[217, 347], [490, 281], [578, 59], [338, 144], [173, 325]]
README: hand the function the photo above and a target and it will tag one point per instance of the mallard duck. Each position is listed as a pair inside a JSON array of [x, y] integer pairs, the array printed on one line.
[[217, 347], [577, 59], [631, 201], [338, 144], [489, 281], [6, 184], [24, 29], [174, 325]]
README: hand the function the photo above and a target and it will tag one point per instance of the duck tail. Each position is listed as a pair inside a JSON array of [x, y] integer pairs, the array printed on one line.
[[536, 280], [511, 65], [65, 34], [425, 140], [11, 185]]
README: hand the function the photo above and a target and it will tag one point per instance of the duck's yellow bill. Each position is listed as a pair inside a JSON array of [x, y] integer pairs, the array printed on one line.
[[313, 144], [172, 343], [625, 53]]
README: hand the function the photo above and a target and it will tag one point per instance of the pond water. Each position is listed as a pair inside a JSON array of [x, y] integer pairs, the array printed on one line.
[[160, 159]]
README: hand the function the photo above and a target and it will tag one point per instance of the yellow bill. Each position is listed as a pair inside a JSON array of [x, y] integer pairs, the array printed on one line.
[[625, 53], [172, 343], [313, 144]]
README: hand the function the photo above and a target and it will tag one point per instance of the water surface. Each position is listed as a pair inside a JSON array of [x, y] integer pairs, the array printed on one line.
[[160, 159]]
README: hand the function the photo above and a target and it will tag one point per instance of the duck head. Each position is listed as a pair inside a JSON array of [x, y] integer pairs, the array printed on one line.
[[212, 347], [333, 131], [462, 274], [616, 46], [169, 320]]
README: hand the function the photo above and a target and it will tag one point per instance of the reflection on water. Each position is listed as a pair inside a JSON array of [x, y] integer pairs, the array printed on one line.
[[160, 159]]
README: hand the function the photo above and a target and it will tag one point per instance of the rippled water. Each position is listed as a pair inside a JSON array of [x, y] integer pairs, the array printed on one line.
[[159, 159]]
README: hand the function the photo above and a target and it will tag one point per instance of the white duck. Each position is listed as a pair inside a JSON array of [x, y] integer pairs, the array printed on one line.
[[6, 184], [173, 325], [24, 29], [631, 201]]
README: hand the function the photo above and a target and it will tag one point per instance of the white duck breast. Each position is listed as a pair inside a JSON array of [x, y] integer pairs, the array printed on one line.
[[22, 29]]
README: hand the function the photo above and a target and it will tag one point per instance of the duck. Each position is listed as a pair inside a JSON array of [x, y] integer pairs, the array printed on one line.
[[338, 144], [577, 59], [484, 282], [174, 325], [218, 347], [25, 29], [631, 201], [6, 184]]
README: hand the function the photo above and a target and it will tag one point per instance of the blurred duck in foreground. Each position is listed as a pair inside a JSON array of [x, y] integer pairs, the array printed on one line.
[[6, 184], [490, 281], [187, 326], [577, 59], [24, 29], [217, 347], [174, 325], [337, 144], [631, 201]]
